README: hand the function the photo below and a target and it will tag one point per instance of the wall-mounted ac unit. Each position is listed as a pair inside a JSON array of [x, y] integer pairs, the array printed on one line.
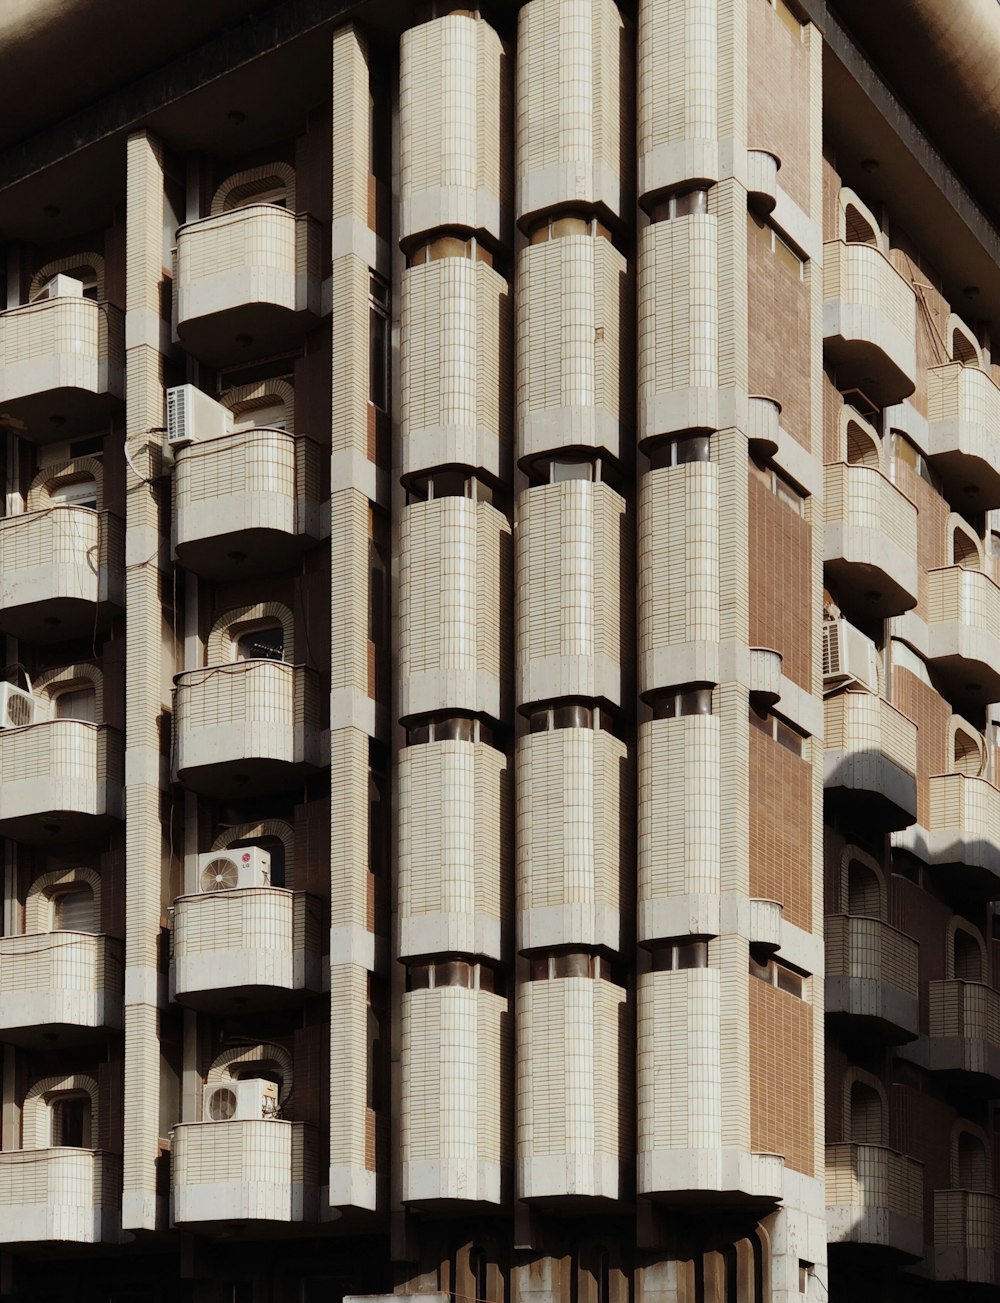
[[18, 707], [192, 415], [241, 1101], [848, 656], [247, 866], [59, 287]]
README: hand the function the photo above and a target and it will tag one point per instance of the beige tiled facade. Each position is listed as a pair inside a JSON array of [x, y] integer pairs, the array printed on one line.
[[500, 774]]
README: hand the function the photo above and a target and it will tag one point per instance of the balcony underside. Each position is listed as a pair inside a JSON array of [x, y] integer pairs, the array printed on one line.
[[872, 1010], [243, 554], [243, 332], [871, 788], [245, 775], [869, 589], [51, 415]]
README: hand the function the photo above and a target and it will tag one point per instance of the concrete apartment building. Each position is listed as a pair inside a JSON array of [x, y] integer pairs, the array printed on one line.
[[499, 777]]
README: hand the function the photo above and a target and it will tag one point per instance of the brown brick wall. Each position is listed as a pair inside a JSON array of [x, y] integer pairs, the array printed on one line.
[[779, 58], [931, 714], [780, 828], [780, 581], [781, 1076], [779, 320]]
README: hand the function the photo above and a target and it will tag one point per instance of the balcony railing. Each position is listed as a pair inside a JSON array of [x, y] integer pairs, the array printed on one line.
[[963, 624], [59, 985], [51, 1195], [964, 829], [246, 726], [966, 1237], [62, 366], [964, 1031], [871, 975], [261, 943], [60, 780], [251, 1170], [247, 281], [56, 566], [874, 1197], [869, 322], [871, 756], [963, 409], [246, 503], [870, 540]]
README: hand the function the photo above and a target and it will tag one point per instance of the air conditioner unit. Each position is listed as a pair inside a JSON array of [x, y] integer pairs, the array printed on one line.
[[192, 415], [248, 866], [848, 656], [18, 707], [241, 1101], [59, 287]]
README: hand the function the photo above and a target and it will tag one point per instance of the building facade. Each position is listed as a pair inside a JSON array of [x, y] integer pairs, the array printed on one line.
[[500, 574]]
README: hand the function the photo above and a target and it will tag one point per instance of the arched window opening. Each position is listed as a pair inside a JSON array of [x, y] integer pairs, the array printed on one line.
[[968, 957], [71, 1117], [76, 702], [973, 1168], [864, 891], [80, 492], [264, 642], [968, 755], [265, 416], [74, 909], [962, 349], [269, 190], [964, 550], [857, 228], [861, 450], [866, 1115]]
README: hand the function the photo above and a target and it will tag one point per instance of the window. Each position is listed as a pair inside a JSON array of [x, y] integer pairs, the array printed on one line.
[[791, 739], [450, 728], [867, 1127], [76, 703], [378, 343], [771, 242], [573, 715], [683, 203], [577, 963], [680, 451], [904, 452], [265, 643], [775, 973], [687, 701], [81, 492], [454, 972], [560, 471], [73, 909], [71, 1121], [864, 891], [557, 228], [779, 486], [270, 416], [672, 956], [450, 246]]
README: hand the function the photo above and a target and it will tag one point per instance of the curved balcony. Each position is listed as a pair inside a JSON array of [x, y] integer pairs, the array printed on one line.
[[246, 727], [246, 503], [454, 567], [681, 1156], [60, 781], [870, 758], [875, 1199], [964, 1033], [56, 567], [58, 988], [62, 366], [53, 1195], [454, 874], [963, 410], [869, 322], [237, 1171], [573, 1042], [966, 1237], [963, 632], [963, 832], [569, 567], [254, 947], [871, 977], [452, 1118], [870, 542], [572, 845], [247, 282]]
